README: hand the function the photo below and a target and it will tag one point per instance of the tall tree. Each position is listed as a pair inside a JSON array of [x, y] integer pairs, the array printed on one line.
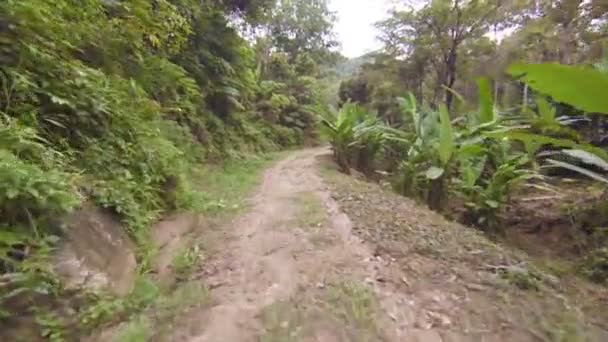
[[298, 26], [439, 30]]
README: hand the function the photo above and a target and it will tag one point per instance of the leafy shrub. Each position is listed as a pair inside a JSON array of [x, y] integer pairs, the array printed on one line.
[[27, 187], [118, 102], [357, 137]]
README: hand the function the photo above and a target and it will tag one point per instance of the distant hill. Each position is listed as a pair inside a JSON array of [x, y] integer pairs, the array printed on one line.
[[351, 66]]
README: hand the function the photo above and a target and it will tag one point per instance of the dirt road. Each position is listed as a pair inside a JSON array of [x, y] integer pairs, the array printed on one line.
[[292, 241], [296, 268]]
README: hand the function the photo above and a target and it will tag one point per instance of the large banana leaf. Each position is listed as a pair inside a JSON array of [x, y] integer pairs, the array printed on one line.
[[582, 87]]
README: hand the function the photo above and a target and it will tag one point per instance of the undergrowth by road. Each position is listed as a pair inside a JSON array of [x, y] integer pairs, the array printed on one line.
[[466, 283], [159, 298]]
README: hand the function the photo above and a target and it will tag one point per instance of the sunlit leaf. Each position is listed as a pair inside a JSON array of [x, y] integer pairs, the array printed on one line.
[[582, 87], [434, 173]]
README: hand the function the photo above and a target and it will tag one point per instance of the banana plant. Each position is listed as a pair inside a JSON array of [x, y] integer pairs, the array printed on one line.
[[370, 137], [356, 134], [339, 128], [485, 195], [439, 174], [424, 172]]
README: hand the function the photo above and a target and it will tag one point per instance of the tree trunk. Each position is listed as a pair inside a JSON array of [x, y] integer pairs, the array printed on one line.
[[435, 196], [450, 77], [364, 162], [342, 160]]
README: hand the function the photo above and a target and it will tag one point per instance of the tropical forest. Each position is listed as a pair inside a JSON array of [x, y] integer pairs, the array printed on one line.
[[303, 170]]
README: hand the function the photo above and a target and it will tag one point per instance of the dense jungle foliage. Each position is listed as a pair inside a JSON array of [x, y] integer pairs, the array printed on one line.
[[472, 101], [116, 103]]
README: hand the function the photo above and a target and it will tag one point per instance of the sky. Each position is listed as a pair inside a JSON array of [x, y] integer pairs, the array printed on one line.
[[355, 27]]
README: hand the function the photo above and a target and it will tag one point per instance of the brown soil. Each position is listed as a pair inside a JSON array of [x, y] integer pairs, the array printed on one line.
[[325, 257], [169, 236], [551, 223]]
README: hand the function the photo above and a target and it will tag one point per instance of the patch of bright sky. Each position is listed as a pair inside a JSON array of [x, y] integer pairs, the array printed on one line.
[[355, 26]]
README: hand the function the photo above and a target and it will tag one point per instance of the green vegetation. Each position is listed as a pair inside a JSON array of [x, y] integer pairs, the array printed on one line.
[[227, 186], [151, 107], [356, 306], [186, 259], [158, 317], [136, 331], [596, 265], [133, 105], [312, 217], [424, 112], [283, 322], [345, 308], [476, 157], [312, 213]]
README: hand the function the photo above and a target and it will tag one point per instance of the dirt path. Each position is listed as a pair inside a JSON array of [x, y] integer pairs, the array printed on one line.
[[295, 268], [292, 242]]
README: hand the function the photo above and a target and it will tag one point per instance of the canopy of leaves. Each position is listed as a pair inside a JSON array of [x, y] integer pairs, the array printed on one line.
[[298, 26]]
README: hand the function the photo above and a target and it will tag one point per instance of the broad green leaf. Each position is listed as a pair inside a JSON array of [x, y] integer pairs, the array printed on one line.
[[581, 87], [470, 150], [486, 103], [8, 238], [434, 173], [11, 193], [408, 105], [492, 204], [471, 169], [446, 136]]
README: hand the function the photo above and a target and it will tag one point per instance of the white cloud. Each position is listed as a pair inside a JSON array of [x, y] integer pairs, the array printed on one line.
[[355, 26]]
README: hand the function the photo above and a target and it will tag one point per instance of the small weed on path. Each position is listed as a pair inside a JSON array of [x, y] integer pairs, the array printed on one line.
[[343, 311], [136, 330], [283, 322], [355, 305], [312, 217], [160, 314], [186, 259]]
